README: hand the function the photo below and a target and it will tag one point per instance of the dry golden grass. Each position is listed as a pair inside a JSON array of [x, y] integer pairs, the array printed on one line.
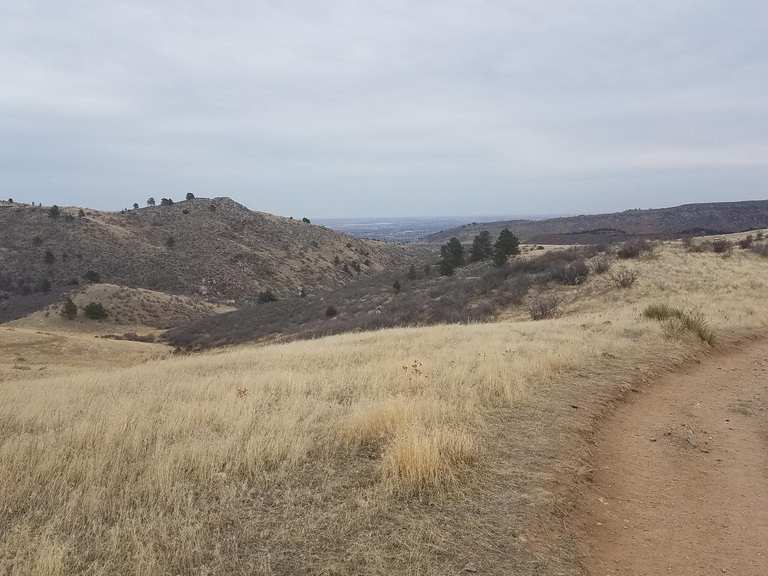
[[402, 451], [31, 353]]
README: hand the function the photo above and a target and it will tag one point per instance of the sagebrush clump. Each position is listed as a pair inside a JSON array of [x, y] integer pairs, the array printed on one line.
[[634, 249], [624, 278], [543, 307]]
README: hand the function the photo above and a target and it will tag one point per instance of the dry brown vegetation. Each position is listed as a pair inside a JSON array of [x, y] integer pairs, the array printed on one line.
[[132, 307], [413, 451], [474, 293], [215, 248]]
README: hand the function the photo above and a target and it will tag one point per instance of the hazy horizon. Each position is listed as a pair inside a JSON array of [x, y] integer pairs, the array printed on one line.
[[386, 109]]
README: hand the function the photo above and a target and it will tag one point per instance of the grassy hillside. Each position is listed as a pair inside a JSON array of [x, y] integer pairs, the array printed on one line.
[[686, 220], [126, 307], [215, 248], [417, 451]]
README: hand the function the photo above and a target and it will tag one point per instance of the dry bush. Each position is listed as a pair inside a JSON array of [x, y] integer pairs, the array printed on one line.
[[493, 279], [747, 242], [624, 278], [677, 321], [722, 246], [600, 264], [699, 247], [571, 274], [543, 307], [634, 249]]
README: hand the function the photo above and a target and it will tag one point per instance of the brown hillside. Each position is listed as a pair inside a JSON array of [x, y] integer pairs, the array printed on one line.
[[689, 219], [132, 307], [216, 248]]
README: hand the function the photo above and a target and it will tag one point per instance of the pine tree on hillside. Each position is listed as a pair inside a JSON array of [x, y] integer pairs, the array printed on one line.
[[507, 244], [482, 248], [69, 309], [452, 256]]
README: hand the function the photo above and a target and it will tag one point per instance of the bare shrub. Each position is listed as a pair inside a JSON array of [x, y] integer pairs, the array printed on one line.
[[722, 246], [492, 280], [760, 249], [513, 291], [746, 243], [634, 249], [624, 278], [571, 274], [600, 264], [542, 307]]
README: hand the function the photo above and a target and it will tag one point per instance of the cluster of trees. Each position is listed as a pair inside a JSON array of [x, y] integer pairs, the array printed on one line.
[[452, 253], [163, 201], [92, 311]]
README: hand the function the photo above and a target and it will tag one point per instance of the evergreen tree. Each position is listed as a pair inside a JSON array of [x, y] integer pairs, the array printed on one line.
[[482, 249], [69, 310], [452, 256], [507, 244], [95, 311]]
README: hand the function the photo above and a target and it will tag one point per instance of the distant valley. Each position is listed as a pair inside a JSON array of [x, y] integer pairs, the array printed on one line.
[[404, 229]]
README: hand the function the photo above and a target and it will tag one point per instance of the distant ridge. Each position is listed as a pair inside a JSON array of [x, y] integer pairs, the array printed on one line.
[[688, 219]]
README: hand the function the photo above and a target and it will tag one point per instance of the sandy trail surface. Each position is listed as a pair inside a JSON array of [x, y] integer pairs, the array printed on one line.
[[680, 482]]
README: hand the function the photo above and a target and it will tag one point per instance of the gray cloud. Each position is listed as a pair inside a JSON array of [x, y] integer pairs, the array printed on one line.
[[397, 108]]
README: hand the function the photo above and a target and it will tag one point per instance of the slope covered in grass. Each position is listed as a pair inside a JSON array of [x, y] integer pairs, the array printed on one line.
[[402, 451]]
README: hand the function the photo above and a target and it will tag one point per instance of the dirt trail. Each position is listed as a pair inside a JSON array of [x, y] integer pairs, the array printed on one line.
[[680, 484]]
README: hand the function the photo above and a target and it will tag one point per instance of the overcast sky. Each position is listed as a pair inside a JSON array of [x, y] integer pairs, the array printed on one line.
[[368, 108]]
